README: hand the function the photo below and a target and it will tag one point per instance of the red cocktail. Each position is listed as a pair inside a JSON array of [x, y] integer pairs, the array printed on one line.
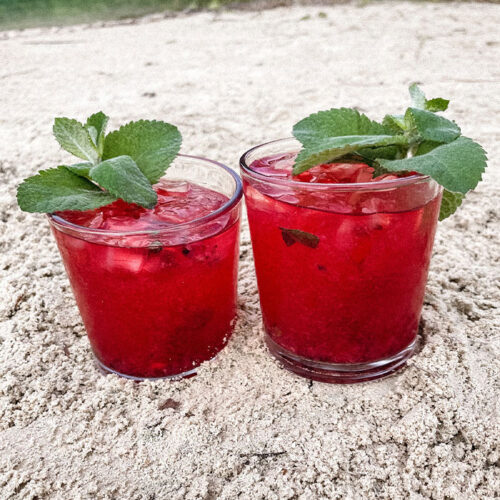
[[341, 262], [157, 288]]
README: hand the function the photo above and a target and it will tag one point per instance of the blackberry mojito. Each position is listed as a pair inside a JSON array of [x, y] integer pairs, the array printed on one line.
[[156, 287], [341, 258]]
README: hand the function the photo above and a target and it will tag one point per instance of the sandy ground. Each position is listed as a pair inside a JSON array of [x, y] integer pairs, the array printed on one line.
[[244, 428]]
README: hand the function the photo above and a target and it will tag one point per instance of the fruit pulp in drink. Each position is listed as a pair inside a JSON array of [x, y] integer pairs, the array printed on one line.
[[156, 301], [341, 273]]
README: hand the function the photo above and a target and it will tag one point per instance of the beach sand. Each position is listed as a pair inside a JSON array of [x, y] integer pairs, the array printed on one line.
[[245, 428]]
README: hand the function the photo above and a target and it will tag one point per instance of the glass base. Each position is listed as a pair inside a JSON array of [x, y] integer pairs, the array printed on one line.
[[340, 373], [106, 371]]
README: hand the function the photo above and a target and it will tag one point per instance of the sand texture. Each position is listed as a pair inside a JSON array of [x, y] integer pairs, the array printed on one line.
[[244, 428]]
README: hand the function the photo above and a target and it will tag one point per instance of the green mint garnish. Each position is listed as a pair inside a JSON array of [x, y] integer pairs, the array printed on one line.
[[427, 126], [328, 135], [96, 126], [152, 145], [419, 100], [417, 141], [81, 169], [75, 139], [450, 203], [457, 166], [58, 189], [292, 236], [121, 177], [121, 165]]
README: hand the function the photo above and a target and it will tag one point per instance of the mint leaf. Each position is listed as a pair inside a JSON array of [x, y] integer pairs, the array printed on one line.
[[75, 138], [420, 102], [292, 236], [394, 123], [425, 147], [93, 134], [153, 145], [81, 169], [457, 166], [431, 127], [123, 179], [57, 189], [332, 148], [335, 122], [417, 96], [369, 155], [96, 126], [437, 104], [449, 203], [328, 135]]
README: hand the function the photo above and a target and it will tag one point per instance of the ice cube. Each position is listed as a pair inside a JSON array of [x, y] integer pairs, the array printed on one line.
[[173, 186], [130, 260], [97, 221], [275, 199]]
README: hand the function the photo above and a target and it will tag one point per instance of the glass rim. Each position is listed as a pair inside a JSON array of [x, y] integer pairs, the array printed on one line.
[[61, 223], [312, 186]]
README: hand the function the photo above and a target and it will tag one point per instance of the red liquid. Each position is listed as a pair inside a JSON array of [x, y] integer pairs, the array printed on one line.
[[155, 305], [357, 296]]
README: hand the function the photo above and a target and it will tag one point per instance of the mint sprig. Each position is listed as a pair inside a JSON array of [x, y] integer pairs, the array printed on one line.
[[417, 141], [121, 165]]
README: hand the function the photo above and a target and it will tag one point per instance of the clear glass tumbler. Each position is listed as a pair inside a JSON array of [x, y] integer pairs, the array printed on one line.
[[341, 268], [157, 303]]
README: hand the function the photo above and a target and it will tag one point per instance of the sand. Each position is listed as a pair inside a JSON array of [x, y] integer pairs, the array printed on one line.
[[244, 428]]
